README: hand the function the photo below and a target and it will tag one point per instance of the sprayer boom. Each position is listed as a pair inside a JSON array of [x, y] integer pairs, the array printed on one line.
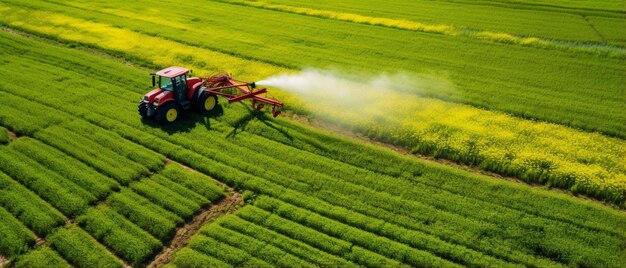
[[235, 90]]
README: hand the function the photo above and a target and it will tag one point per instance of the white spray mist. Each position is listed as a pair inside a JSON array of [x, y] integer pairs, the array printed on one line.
[[353, 91], [337, 84]]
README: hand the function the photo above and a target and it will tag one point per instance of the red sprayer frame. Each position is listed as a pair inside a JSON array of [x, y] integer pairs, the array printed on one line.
[[218, 84]]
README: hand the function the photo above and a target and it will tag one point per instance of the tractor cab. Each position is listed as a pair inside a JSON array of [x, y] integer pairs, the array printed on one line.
[[173, 79]]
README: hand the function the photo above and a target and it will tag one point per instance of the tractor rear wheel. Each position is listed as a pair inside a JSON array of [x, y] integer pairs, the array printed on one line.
[[167, 113], [206, 102], [143, 109]]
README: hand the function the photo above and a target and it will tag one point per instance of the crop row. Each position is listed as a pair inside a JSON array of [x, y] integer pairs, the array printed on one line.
[[180, 205], [113, 230], [258, 235], [56, 190], [96, 223], [16, 238], [258, 249], [24, 122], [315, 247], [4, 135], [189, 258], [224, 252], [97, 184], [41, 257], [80, 249], [154, 219], [159, 215], [29, 208], [137, 221], [98, 157], [195, 181], [122, 147]]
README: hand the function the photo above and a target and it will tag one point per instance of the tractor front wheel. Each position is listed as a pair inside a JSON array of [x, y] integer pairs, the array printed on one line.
[[167, 113], [206, 102], [143, 109]]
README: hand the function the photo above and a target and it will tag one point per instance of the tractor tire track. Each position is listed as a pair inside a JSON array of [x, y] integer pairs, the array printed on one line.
[[594, 29]]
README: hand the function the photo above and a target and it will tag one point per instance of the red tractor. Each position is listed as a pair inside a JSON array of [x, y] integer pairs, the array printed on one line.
[[177, 93]]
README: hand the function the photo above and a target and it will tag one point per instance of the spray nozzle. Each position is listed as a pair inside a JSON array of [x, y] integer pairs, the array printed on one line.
[[253, 84]]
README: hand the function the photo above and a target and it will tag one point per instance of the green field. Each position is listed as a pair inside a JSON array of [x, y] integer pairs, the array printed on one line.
[[85, 182]]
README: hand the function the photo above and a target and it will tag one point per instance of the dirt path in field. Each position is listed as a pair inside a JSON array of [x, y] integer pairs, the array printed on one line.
[[12, 136], [4, 262], [227, 205]]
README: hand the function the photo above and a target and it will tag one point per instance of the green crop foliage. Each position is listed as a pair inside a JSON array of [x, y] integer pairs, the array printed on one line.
[[56, 190], [190, 258], [229, 254], [98, 157], [123, 237], [29, 208], [17, 116], [112, 141], [611, 29], [97, 184], [358, 237], [145, 214], [42, 257], [195, 181], [80, 249], [15, 238], [166, 198], [181, 190], [4, 135], [259, 249], [293, 246]]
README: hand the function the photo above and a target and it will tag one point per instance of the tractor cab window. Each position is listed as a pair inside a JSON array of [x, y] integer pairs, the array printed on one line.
[[165, 83], [180, 85], [179, 82]]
